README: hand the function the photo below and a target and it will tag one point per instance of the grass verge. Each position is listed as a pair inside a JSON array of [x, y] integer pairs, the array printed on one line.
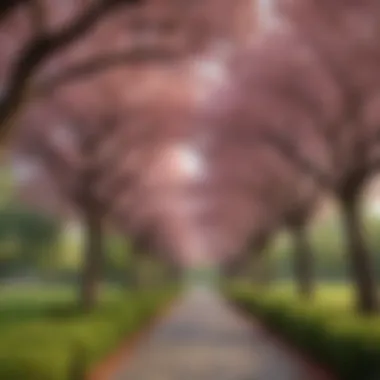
[[326, 328], [54, 342]]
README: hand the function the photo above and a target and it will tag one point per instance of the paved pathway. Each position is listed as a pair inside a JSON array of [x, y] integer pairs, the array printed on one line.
[[204, 339]]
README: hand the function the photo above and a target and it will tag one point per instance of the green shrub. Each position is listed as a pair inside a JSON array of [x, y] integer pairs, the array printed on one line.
[[66, 347], [348, 344]]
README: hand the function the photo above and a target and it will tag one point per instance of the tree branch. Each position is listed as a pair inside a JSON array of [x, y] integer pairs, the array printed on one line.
[[38, 15], [55, 165], [7, 6], [39, 50], [84, 70], [289, 151]]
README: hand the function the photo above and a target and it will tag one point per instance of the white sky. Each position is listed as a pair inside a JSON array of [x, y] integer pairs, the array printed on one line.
[[190, 161], [187, 162], [211, 70], [267, 16]]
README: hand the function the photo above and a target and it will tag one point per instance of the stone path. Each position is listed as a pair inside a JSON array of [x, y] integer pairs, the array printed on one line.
[[205, 339]]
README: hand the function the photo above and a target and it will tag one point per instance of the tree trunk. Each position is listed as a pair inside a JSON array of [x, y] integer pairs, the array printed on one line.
[[132, 278], [263, 270], [140, 280], [93, 262], [129, 282], [174, 272], [359, 258], [238, 269], [303, 262]]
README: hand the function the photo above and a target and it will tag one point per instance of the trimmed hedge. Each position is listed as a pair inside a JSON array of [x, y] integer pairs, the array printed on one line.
[[348, 344], [65, 346]]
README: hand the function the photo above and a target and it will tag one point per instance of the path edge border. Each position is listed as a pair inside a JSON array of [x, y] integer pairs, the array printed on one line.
[[122, 354], [318, 370]]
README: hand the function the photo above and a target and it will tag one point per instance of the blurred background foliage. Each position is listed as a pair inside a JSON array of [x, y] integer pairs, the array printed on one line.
[[327, 240], [38, 247], [44, 333]]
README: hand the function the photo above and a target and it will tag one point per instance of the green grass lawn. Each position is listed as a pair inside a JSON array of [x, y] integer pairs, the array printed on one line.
[[327, 327], [23, 303], [337, 296], [328, 295], [45, 337]]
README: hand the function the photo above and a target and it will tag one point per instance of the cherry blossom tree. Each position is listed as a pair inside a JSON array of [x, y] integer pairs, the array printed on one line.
[[67, 147], [35, 31], [309, 90], [109, 139]]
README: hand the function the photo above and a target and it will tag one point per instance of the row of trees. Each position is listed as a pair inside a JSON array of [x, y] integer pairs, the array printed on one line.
[[99, 91], [297, 120], [47, 43]]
